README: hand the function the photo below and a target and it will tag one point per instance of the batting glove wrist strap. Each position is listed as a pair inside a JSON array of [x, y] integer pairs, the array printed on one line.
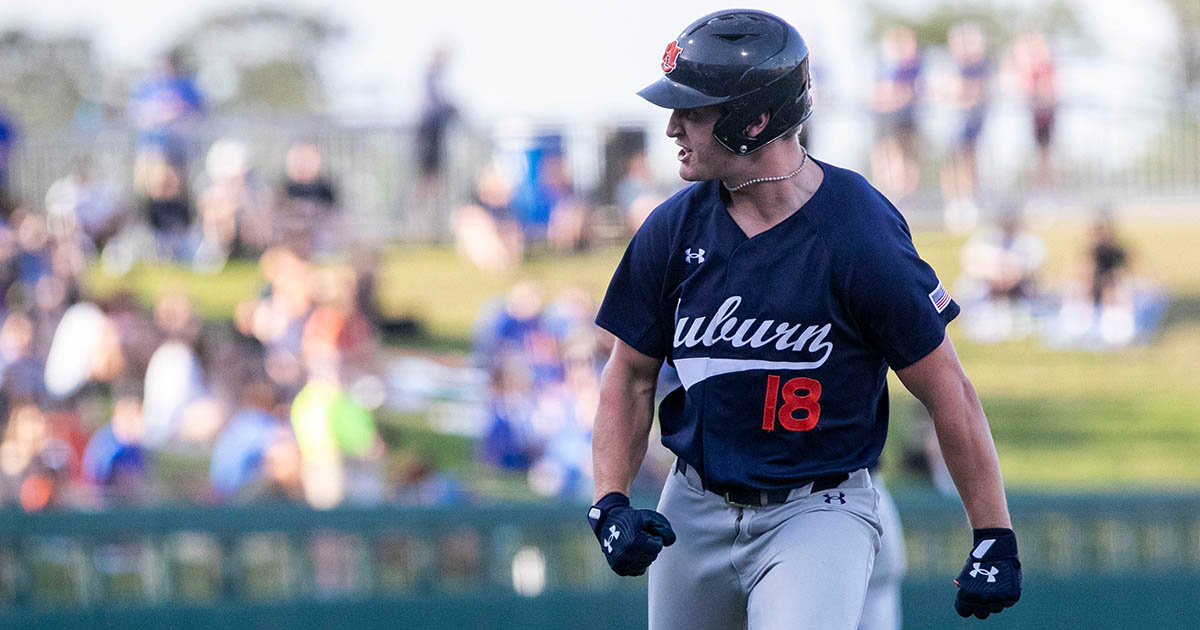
[[991, 579], [606, 503], [630, 539], [1006, 539]]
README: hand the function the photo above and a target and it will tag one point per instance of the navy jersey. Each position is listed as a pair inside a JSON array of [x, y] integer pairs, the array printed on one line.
[[782, 341]]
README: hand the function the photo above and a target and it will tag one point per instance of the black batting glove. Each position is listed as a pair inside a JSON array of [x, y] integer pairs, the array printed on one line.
[[630, 538], [991, 579]]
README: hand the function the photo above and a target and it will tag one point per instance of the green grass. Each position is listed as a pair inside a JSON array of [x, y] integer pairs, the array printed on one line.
[[1082, 420], [214, 295], [1062, 420], [446, 291]]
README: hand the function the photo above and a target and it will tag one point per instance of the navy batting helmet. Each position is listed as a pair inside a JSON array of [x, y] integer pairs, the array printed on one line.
[[747, 62]]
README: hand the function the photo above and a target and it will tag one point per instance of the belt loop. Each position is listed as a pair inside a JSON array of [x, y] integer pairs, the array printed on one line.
[[693, 480]]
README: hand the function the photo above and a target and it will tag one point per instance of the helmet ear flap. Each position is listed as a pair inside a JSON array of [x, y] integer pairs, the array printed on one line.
[[730, 128], [793, 108]]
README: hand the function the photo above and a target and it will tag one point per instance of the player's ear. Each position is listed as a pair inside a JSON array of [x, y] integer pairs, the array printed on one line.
[[753, 129]]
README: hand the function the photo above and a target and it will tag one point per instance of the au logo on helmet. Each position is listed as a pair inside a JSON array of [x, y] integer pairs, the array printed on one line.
[[670, 55]]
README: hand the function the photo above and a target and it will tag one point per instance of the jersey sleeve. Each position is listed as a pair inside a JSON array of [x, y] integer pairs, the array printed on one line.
[[898, 302], [632, 308]]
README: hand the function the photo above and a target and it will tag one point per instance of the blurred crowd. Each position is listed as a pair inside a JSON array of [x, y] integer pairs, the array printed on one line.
[[971, 71], [1104, 302], [200, 213], [106, 400], [110, 400], [543, 363], [526, 202], [543, 367]]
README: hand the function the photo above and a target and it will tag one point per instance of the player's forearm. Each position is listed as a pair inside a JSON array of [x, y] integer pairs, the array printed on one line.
[[970, 454], [622, 428]]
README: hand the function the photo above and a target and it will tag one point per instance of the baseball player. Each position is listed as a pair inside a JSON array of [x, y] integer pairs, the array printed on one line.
[[781, 288]]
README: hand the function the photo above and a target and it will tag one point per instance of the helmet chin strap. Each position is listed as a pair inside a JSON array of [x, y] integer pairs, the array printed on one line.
[[777, 178]]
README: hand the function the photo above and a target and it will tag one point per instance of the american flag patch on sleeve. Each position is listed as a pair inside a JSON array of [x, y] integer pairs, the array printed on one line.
[[940, 297]]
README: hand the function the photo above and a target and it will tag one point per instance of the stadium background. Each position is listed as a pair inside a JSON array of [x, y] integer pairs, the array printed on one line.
[[447, 509]]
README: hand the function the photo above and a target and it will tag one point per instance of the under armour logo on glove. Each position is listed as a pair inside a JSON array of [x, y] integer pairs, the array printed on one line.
[[991, 575], [840, 498], [631, 538], [991, 579], [614, 534]]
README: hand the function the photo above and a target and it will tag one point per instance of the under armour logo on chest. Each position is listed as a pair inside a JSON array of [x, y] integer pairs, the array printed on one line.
[[831, 497], [696, 257], [991, 574], [614, 534]]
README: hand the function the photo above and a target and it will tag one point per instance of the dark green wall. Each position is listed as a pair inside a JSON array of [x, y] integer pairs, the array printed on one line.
[[1094, 562]]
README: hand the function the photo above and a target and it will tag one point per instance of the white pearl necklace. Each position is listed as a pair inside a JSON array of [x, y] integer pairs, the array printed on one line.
[[777, 178]]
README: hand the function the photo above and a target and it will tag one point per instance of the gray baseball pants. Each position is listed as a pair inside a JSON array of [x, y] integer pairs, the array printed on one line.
[[882, 608], [800, 565]]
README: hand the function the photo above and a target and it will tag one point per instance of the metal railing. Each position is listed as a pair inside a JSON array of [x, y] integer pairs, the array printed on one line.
[[372, 167], [1128, 154]]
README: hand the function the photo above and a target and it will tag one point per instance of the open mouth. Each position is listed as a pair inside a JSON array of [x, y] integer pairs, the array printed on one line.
[[684, 153]]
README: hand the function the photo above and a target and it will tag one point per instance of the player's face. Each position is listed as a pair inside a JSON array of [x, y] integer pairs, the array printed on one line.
[[701, 157]]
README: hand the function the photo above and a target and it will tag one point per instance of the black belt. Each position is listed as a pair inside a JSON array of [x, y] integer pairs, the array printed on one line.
[[754, 497]]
